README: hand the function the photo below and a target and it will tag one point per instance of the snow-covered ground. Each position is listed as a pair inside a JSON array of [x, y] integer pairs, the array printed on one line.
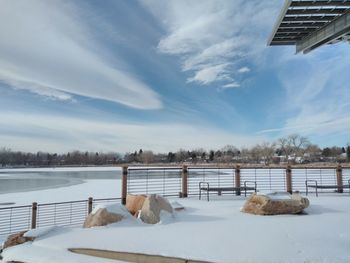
[[214, 231]]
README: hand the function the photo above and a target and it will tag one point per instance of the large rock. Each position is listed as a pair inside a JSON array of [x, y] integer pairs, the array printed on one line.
[[16, 239], [152, 207], [104, 215], [275, 204], [134, 203]]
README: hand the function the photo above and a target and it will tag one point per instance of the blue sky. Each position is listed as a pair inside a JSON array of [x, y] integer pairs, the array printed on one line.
[[162, 75]]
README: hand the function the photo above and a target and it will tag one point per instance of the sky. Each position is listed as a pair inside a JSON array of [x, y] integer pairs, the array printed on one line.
[[162, 75]]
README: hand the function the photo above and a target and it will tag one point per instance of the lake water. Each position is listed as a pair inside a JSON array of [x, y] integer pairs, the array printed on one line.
[[22, 180]]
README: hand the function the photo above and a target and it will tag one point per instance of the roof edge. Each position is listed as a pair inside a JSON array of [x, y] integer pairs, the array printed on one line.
[[282, 14]]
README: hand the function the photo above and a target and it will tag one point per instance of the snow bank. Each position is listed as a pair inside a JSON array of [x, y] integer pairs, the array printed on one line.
[[214, 231], [39, 232]]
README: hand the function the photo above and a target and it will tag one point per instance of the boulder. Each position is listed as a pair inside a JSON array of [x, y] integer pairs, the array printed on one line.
[[16, 239], [153, 205], [134, 203], [275, 204], [104, 215]]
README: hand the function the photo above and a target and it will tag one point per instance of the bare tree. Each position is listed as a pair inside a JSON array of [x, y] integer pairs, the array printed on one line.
[[147, 157]]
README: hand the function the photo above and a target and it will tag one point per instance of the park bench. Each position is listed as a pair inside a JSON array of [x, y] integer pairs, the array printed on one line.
[[204, 186], [314, 184]]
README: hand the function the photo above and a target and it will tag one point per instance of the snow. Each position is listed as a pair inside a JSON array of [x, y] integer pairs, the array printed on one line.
[[40, 231], [214, 231], [277, 195]]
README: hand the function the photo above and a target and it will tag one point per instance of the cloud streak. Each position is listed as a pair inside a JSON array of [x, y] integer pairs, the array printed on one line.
[[212, 38], [47, 50], [33, 132]]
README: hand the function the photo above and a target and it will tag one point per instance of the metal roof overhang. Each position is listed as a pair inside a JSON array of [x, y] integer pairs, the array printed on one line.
[[310, 24]]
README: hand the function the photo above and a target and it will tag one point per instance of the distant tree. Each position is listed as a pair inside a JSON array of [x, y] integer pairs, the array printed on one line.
[[348, 152], [211, 155], [326, 152], [147, 157], [293, 146], [171, 157], [313, 152]]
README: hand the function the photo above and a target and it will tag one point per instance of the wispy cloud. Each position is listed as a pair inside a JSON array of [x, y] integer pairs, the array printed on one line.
[[212, 38], [47, 49], [318, 95], [244, 70], [34, 132], [232, 85]]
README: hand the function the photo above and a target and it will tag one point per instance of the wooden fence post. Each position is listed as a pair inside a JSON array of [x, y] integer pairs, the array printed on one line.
[[90, 200], [238, 179], [289, 179], [124, 184], [34, 214], [184, 180], [339, 172]]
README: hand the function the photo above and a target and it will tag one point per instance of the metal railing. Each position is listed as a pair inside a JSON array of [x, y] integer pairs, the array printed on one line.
[[162, 181], [170, 181], [72, 213], [15, 219], [216, 177]]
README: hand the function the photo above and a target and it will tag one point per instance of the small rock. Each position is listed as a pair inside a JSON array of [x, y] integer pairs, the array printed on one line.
[[16, 239], [134, 203], [102, 216], [153, 205], [275, 204]]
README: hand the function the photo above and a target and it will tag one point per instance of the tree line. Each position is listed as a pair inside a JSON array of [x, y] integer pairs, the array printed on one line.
[[291, 149]]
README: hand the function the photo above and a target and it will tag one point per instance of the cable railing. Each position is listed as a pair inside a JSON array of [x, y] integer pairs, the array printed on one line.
[[216, 177], [176, 181], [72, 213], [15, 219], [162, 181]]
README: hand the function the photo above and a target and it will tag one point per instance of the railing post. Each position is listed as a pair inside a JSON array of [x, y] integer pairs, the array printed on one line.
[[184, 182], [34, 214], [238, 179], [90, 200], [124, 184], [289, 179], [339, 172]]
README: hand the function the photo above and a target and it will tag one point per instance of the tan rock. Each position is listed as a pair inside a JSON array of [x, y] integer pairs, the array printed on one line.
[[275, 204], [153, 205], [16, 239], [102, 217], [134, 203]]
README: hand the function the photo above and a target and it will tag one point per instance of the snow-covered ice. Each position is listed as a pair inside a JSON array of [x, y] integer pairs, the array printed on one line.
[[214, 231]]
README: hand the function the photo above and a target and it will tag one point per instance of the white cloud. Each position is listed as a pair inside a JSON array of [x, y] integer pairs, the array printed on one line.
[[46, 48], [208, 34], [231, 85], [318, 95], [33, 132], [244, 70], [210, 74], [49, 93]]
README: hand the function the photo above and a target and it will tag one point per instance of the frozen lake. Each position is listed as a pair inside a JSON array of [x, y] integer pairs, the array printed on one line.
[[23, 186]]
